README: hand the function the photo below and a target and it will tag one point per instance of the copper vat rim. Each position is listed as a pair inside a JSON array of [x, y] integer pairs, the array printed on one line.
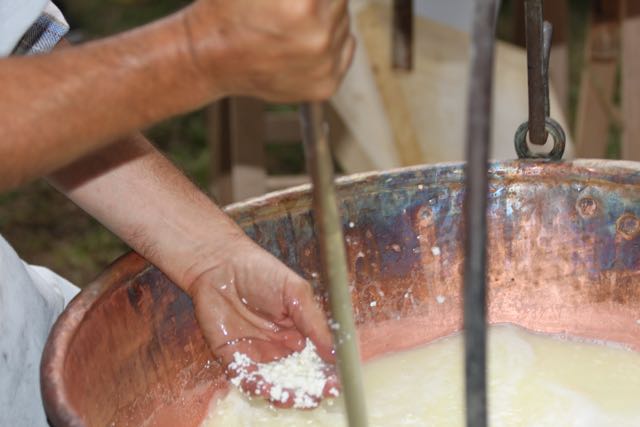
[[130, 265]]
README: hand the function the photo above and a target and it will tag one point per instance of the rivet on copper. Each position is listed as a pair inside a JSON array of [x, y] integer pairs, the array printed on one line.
[[587, 207], [628, 226]]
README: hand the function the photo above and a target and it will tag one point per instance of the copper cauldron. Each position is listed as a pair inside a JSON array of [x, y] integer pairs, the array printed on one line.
[[564, 254]]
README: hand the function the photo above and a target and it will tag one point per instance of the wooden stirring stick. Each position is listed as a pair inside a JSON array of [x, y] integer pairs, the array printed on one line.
[[333, 258]]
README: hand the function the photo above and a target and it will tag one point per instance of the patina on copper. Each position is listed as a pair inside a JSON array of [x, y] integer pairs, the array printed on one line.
[[564, 258]]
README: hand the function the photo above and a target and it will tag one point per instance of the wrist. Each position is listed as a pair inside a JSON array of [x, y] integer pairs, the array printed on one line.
[[207, 45], [213, 255]]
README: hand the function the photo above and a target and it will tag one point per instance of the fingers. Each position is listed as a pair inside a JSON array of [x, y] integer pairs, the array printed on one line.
[[344, 45], [346, 57], [332, 387], [249, 377], [340, 35], [223, 322], [338, 10], [244, 375], [277, 396], [331, 63], [241, 359], [309, 317]]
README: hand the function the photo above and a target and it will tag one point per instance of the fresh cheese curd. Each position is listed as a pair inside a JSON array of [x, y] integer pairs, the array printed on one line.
[[535, 381], [303, 374]]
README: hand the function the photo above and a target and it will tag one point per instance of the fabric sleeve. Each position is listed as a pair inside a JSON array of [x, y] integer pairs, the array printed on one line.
[[16, 16], [44, 33]]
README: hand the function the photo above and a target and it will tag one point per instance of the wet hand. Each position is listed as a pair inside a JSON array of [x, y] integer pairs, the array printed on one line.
[[300, 380], [249, 303]]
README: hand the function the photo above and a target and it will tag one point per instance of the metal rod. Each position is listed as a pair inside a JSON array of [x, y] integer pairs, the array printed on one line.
[[535, 70], [334, 260], [547, 35], [475, 211], [402, 46]]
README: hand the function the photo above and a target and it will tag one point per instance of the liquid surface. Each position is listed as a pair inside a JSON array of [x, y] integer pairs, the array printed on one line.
[[535, 381]]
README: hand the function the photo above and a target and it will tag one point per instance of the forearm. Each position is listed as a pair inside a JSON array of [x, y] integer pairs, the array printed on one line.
[[140, 196], [94, 93]]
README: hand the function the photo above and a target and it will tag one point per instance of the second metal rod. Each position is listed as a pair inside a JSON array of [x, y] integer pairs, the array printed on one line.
[[475, 213], [334, 259], [535, 69]]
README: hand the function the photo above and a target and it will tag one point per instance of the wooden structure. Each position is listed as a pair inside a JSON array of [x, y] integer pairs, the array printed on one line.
[[613, 36], [424, 110], [596, 112], [630, 80], [381, 118], [238, 130]]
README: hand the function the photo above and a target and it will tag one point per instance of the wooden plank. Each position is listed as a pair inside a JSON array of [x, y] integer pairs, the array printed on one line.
[[248, 173], [430, 101], [379, 50], [402, 35], [235, 133], [631, 80], [519, 35], [369, 137], [219, 141], [595, 108], [282, 127], [557, 12], [350, 154]]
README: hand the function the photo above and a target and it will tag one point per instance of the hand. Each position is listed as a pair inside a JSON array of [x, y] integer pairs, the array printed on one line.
[[249, 302], [278, 50]]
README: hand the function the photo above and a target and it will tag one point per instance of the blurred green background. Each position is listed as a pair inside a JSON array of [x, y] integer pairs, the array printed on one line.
[[46, 229]]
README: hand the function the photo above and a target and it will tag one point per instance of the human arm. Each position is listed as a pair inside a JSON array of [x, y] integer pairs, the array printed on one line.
[[95, 93], [242, 295], [137, 193]]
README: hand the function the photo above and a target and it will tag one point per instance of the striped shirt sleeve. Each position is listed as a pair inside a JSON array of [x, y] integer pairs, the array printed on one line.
[[44, 33]]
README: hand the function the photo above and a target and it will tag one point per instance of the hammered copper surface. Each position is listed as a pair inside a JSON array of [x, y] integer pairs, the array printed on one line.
[[564, 258]]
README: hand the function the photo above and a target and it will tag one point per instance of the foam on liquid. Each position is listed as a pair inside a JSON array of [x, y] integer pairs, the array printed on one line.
[[535, 381]]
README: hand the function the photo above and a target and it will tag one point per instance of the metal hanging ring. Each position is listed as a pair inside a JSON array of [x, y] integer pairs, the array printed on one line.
[[554, 129]]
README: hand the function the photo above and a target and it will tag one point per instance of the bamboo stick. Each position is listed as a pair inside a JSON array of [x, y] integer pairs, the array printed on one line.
[[334, 262]]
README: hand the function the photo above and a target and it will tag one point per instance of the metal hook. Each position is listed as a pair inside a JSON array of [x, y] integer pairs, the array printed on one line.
[[536, 53], [547, 35], [556, 132], [539, 35]]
